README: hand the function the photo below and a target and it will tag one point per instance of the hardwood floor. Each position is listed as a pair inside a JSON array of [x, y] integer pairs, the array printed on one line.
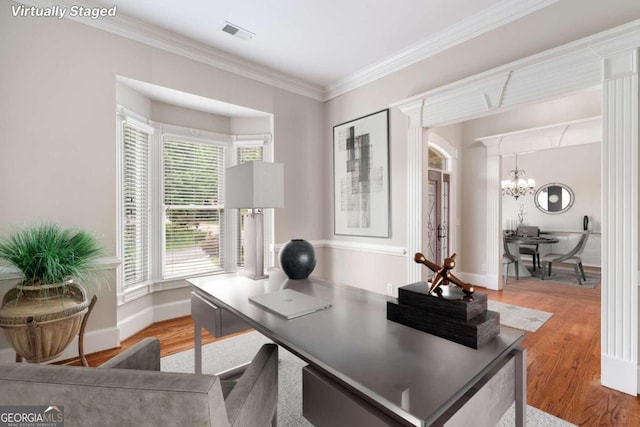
[[563, 357], [175, 335]]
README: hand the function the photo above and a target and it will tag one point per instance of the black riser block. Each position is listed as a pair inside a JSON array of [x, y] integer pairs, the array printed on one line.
[[473, 333], [452, 305]]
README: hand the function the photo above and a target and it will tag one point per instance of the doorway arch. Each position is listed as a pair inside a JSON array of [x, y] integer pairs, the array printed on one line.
[[609, 60], [439, 200]]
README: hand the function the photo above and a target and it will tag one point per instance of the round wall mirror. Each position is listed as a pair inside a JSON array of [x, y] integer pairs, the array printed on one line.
[[554, 198]]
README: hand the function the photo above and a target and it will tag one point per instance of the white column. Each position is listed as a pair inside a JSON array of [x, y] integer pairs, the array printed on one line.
[[414, 187], [493, 258], [620, 221]]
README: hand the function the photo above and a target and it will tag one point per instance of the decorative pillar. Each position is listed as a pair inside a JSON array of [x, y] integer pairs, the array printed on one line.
[[414, 186], [494, 224], [620, 219]]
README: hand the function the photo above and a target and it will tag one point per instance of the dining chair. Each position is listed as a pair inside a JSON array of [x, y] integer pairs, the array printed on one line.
[[530, 231], [571, 257], [508, 258]]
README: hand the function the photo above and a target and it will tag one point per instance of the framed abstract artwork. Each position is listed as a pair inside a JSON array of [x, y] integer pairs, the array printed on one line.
[[361, 176]]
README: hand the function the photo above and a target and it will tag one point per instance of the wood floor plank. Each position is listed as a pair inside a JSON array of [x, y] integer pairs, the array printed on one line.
[[563, 364], [563, 356]]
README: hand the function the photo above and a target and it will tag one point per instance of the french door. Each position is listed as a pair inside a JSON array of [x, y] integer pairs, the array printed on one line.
[[437, 216]]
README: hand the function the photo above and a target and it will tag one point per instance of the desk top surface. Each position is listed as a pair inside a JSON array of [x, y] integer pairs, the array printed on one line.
[[411, 373]]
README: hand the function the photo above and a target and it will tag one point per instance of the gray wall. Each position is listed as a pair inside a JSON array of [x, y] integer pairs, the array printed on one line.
[[527, 36], [58, 133], [578, 167]]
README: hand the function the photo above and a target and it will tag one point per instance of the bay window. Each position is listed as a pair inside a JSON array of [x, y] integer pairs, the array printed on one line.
[[172, 222]]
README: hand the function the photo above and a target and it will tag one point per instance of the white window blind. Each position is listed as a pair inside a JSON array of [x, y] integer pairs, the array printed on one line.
[[245, 154], [136, 204], [249, 154], [193, 207]]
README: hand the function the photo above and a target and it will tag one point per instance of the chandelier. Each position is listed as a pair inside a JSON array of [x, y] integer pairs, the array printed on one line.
[[517, 186]]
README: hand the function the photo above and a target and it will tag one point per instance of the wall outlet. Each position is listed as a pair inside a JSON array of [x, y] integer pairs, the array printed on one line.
[[484, 268], [391, 289]]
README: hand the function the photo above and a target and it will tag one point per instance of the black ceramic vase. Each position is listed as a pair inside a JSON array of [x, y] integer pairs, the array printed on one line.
[[297, 259]]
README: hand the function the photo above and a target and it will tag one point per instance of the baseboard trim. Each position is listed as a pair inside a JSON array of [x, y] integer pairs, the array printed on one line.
[[94, 341], [171, 310], [619, 375], [108, 338], [148, 316], [489, 282], [135, 323]]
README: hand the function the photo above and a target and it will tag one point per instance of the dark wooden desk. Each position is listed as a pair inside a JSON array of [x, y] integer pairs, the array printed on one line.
[[364, 369]]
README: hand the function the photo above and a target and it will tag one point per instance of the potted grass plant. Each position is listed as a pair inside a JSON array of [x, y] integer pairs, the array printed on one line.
[[42, 314]]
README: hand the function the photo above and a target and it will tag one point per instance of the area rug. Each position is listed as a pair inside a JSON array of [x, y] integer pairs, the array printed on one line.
[[231, 352], [518, 317], [566, 276]]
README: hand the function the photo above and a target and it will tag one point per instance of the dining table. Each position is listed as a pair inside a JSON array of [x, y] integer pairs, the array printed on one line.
[[516, 241]]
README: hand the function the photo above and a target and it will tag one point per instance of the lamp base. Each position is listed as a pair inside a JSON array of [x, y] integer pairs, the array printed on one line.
[[254, 246], [253, 276]]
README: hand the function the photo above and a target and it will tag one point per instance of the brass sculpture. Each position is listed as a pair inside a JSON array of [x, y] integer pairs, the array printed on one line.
[[443, 275]]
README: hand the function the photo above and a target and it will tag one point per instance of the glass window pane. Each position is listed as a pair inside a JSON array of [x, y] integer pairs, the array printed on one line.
[[436, 160], [193, 207]]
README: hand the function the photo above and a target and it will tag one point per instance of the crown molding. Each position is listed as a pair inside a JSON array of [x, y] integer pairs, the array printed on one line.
[[413, 110], [489, 19], [151, 35], [496, 94]]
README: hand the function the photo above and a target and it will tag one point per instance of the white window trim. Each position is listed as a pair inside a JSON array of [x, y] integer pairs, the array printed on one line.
[[123, 115], [157, 132], [157, 188], [195, 135]]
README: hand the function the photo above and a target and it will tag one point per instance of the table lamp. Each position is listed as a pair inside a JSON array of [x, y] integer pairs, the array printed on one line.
[[254, 185]]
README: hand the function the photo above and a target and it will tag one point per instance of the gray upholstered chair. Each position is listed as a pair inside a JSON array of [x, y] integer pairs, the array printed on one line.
[[508, 258], [571, 257], [530, 231], [128, 390]]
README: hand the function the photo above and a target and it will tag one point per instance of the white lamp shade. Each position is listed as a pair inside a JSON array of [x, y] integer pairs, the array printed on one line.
[[254, 185]]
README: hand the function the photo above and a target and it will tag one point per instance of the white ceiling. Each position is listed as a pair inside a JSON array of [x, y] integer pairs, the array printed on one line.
[[327, 42]]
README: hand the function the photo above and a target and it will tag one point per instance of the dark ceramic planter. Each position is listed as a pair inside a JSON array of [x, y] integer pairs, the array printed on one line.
[[297, 259]]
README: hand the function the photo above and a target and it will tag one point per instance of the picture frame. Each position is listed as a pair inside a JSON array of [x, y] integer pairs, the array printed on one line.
[[361, 176]]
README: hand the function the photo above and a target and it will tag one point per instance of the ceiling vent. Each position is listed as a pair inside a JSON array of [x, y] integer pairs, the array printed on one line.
[[236, 31]]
